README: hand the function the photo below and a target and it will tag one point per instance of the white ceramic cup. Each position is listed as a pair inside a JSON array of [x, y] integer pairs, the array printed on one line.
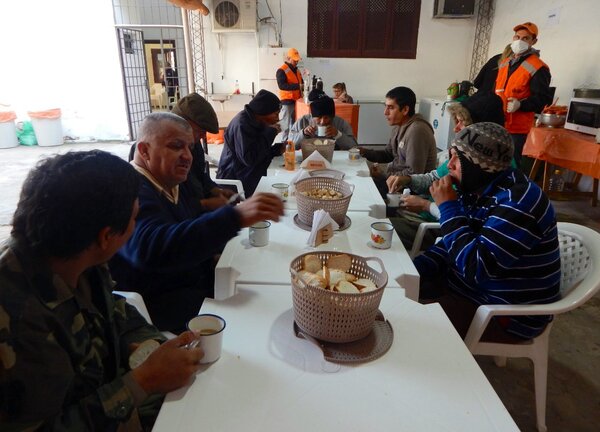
[[354, 154], [321, 131], [281, 189], [394, 199], [209, 328], [381, 235], [258, 234]]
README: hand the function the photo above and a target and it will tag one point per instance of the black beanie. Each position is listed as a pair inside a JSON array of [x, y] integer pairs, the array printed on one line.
[[485, 107], [322, 106], [264, 103], [315, 94]]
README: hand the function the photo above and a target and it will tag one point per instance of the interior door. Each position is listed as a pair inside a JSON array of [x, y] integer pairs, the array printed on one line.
[[135, 77]]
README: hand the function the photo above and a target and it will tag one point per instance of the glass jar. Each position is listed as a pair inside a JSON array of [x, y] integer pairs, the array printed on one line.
[[354, 154]]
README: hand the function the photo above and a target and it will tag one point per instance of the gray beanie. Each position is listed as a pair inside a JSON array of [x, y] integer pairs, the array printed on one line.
[[486, 145]]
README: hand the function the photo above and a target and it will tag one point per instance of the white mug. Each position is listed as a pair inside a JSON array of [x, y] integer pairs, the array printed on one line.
[[394, 199], [209, 328], [281, 189], [321, 131], [381, 235], [259, 233]]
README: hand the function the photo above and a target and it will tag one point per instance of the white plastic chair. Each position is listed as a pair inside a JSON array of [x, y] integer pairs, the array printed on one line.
[[580, 280], [137, 301], [416, 247], [237, 183]]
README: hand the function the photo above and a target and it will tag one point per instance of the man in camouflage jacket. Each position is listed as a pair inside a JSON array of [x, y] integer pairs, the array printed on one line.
[[65, 340]]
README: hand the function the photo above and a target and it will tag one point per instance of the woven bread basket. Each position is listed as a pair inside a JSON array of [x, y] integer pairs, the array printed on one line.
[[337, 208], [308, 146], [337, 317]]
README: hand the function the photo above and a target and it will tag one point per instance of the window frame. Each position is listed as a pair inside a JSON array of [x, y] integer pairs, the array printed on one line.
[[388, 51]]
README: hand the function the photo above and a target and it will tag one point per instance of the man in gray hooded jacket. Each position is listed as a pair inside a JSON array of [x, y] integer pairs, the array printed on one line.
[[411, 148]]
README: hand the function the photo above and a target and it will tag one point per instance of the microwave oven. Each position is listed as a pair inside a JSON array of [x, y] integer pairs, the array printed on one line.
[[584, 115]]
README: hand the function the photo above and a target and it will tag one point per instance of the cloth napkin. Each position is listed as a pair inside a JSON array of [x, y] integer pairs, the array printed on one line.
[[320, 220], [315, 161]]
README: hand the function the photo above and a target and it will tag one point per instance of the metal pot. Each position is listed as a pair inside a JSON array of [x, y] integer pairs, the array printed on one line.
[[552, 120]]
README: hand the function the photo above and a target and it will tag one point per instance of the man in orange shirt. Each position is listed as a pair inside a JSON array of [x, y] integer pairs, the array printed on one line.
[[289, 81], [523, 83]]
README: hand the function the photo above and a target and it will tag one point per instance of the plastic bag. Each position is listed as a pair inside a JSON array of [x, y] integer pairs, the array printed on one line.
[[47, 114], [25, 134]]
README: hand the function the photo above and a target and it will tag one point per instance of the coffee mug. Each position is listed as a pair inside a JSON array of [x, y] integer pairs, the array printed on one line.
[[209, 328], [322, 131], [394, 199], [281, 189], [381, 235], [258, 233], [354, 154]]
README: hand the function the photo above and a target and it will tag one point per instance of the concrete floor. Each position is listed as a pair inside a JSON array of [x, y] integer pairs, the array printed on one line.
[[573, 386]]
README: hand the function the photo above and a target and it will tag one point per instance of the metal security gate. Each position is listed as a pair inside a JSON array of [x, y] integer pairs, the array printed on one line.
[[135, 77]]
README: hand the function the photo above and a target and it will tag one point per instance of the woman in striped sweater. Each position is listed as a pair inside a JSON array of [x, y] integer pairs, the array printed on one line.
[[499, 237]]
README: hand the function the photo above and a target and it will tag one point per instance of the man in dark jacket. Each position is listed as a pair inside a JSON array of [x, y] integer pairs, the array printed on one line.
[[170, 256], [249, 147]]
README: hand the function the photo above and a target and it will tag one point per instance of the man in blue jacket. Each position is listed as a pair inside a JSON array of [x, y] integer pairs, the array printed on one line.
[[169, 258], [499, 237], [249, 148]]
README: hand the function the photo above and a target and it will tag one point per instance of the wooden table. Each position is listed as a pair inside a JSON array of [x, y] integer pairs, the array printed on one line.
[[267, 379], [567, 149]]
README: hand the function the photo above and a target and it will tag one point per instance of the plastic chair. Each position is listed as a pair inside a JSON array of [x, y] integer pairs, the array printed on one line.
[[416, 247], [237, 183], [580, 280], [137, 301]]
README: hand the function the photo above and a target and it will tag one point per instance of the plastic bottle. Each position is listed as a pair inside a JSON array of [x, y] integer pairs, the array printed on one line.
[[236, 88], [319, 84], [289, 156], [557, 182]]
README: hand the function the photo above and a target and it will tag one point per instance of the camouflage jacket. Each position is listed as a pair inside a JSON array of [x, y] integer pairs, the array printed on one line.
[[64, 352]]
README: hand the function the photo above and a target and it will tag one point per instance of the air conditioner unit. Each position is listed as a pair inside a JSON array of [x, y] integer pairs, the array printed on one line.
[[234, 16], [453, 8]]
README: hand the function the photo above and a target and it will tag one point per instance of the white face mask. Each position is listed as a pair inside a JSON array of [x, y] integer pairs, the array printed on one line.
[[519, 46]]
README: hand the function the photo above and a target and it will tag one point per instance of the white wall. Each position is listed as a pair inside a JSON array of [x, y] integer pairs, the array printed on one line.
[[63, 54], [443, 55], [570, 47]]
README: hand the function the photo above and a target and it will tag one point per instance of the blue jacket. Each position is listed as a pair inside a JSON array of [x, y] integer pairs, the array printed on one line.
[[248, 150], [500, 248], [169, 257]]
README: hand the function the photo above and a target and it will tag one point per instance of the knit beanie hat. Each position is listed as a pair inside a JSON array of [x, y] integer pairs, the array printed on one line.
[[485, 107], [322, 106], [487, 145], [264, 103], [315, 94], [485, 150], [195, 108]]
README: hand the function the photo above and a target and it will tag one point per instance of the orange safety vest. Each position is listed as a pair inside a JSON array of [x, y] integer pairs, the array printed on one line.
[[517, 86], [292, 78]]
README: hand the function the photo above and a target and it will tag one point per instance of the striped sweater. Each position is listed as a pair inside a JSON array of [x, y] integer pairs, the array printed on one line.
[[500, 248]]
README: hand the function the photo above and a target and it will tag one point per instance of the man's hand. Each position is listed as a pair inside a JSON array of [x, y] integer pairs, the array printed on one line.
[[214, 202], [442, 190], [227, 193], [512, 105], [261, 206], [362, 150], [395, 183], [414, 203], [170, 366], [331, 131], [309, 131]]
